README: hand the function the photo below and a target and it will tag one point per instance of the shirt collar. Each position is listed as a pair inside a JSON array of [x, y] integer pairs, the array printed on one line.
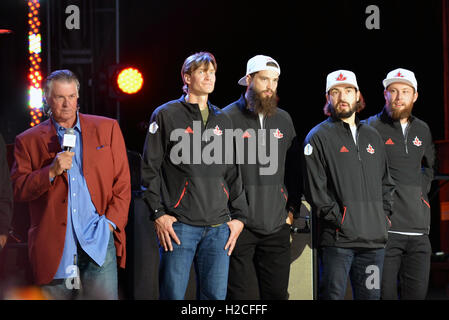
[[77, 125]]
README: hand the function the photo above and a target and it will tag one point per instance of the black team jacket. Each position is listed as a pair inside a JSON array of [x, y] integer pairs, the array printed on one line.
[[178, 182], [271, 190], [348, 184], [411, 159]]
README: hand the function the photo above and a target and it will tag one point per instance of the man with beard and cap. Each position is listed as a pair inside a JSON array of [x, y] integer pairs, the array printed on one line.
[[260, 263], [411, 157], [350, 189]]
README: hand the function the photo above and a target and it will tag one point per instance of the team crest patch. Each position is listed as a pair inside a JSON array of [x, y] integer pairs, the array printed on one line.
[[417, 142], [217, 131], [370, 149], [277, 134], [153, 128], [308, 149]]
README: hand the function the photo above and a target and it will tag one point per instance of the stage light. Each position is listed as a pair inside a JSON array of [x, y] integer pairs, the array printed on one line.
[[130, 80], [35, 101], [123, 81]]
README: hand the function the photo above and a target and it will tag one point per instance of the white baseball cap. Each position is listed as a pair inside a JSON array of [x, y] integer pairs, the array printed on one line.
[[401, 75], [259, 63], [341, 77]]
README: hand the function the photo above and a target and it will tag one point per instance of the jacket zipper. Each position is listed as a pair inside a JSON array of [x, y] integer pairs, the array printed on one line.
[[357, 145], [407, 128], [427, 204], [342, 220], [225, 191], [283, 193], [262, 125], [182, 195]]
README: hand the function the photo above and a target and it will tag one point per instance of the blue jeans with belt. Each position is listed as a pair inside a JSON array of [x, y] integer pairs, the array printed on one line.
[[363, 266], [205, 247]]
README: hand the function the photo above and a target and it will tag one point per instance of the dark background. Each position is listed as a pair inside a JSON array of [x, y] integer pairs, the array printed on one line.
[[309, 39]]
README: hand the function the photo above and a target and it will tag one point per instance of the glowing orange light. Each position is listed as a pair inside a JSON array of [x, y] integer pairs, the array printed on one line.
[[130, 80]]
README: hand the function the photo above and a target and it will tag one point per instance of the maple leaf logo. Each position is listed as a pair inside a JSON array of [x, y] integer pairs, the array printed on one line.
[[278, 134], [341, 77], [370, 149], [417, 142], [217, 131]]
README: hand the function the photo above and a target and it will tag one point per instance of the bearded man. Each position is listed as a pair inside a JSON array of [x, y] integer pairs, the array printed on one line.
[[260, 263], [350, 189], [411, 157]]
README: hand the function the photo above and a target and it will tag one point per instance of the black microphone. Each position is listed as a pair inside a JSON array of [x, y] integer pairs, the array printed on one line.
[[69, 140]]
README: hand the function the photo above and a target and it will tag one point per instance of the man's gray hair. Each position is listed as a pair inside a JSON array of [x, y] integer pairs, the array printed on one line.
[[60, 75]]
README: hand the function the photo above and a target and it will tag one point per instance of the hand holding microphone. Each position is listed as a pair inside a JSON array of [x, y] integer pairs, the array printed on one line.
[[63, 160]]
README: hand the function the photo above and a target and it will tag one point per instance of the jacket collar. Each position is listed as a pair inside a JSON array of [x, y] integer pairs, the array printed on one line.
[[77, 125], [343, 124], [241, 103], [193, 107]]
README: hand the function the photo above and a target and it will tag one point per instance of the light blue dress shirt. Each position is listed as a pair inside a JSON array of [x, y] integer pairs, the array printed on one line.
[[85, 227]]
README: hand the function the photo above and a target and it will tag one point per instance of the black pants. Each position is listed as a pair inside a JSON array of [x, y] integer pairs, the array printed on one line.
[[260, 266], [407, 261]]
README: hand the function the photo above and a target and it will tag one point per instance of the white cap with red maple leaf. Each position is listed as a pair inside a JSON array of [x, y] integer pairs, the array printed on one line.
[[401, 75], [341, 77]]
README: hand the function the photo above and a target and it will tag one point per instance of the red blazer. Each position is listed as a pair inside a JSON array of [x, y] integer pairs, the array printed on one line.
[[107, 175]]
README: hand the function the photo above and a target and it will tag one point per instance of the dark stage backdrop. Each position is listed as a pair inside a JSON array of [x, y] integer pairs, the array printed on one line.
[[308, 38]]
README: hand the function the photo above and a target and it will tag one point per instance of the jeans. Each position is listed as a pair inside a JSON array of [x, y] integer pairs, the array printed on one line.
[[407, 260], [260, 266], [95, 282], [205, 247], [362, 265]]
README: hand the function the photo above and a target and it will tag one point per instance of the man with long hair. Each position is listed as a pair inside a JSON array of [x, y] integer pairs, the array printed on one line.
[[350, 189]]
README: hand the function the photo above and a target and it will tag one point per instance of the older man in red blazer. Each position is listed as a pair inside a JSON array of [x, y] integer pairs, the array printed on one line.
[[78, 199]]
